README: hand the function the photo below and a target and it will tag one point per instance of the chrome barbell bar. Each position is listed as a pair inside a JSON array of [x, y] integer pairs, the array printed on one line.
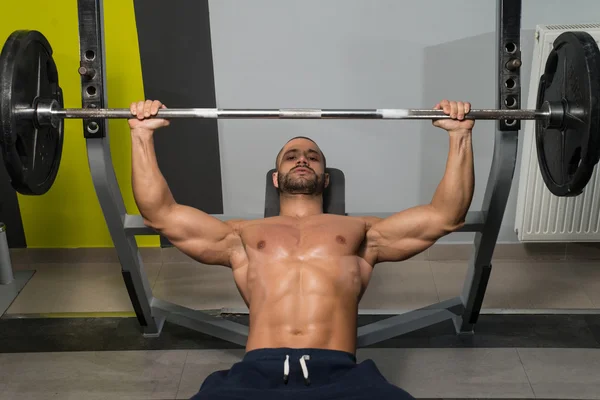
[[48, 112], [298, 113]]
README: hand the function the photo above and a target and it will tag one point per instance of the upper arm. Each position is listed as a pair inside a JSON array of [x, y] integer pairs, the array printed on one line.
[[405, 234], [199, 235]]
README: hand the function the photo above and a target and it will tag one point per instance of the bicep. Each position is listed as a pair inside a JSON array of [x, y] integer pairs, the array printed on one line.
[[199, 235], [407, 233]]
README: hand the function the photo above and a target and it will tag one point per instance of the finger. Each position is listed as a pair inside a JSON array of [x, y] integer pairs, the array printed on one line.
[[155, 106], [453, 109], [132, 108], [140, 110], [446, 106], [460, 110], [147, 108], [437, 106], [467, 107]]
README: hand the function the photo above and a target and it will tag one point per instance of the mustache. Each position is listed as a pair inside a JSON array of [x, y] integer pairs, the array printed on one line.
[[308, 168]]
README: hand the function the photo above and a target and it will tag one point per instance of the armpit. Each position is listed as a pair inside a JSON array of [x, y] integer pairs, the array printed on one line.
[[368, 248], [370, 221], [237, 253], [236, 224]]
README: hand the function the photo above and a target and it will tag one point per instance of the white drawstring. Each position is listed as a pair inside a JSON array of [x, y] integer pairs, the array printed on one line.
[[304, 368], [286, 368]]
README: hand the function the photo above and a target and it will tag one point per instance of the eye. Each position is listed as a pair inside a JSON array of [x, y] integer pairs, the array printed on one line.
[[314, 159], [290, 157]]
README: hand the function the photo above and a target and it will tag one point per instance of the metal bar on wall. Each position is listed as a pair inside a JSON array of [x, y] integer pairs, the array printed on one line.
[[11, 282]]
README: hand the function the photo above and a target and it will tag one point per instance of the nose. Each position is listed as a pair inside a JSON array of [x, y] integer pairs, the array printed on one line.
[[302, 160]]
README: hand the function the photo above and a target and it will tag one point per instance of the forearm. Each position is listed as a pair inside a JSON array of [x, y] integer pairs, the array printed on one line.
[[150, 190], [455, 192]]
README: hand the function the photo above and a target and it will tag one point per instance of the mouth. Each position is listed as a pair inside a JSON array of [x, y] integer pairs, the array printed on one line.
[[301, 170]]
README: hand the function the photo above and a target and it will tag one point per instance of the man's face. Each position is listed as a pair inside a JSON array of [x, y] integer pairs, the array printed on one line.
[[301, 169]]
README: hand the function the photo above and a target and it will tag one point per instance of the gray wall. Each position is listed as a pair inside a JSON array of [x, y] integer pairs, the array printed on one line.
[[363, 54]]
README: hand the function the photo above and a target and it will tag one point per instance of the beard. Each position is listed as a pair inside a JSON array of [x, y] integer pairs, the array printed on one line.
[[307, 184]]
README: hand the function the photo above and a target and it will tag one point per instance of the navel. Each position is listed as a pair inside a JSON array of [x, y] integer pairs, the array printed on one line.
[[261, 245], [340, 239]]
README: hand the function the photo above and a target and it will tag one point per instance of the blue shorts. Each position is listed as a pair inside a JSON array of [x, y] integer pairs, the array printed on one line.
[[306, 374]]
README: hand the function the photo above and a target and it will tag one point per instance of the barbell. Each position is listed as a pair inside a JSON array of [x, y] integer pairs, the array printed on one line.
[[567, 113]]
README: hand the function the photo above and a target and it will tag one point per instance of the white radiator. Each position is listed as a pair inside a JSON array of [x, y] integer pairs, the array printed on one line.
[[541, 216]]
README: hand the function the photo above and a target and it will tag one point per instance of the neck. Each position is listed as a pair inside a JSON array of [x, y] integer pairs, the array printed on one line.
[[300, 205]]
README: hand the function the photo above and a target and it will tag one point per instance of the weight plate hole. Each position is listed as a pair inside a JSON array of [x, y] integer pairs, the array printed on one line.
[[510, 122], [510, 83], [93, 127], [91, 90], [574, 162], [510, 47], [51, 75], [510, 102], [23, 150], [90, 55]]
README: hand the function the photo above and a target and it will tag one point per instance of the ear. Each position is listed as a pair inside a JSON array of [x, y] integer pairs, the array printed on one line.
[[326, 179], [275, 180]]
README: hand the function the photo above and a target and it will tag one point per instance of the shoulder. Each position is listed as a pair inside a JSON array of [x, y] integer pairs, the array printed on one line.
[[366, 221], [239, 225]]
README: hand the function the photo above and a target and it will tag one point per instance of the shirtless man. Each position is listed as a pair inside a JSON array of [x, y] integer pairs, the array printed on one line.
[[302, 273]]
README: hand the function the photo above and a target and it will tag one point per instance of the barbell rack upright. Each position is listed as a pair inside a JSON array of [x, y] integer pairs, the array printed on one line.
[[508, 41], [92, 54]]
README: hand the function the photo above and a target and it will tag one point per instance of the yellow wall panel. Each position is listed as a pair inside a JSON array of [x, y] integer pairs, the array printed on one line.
[[69, 215]]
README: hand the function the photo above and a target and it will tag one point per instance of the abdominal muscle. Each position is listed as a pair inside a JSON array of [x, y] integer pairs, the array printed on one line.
[[303, 304]]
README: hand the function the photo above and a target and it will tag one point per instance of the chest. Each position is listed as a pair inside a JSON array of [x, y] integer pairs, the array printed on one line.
[[323, 236]]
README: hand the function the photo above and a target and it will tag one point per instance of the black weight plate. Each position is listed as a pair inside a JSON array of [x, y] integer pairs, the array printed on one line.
[[567, 154], [31, 153]]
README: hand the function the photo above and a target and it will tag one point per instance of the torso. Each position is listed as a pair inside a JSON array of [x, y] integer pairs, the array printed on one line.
[[302, 279]]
